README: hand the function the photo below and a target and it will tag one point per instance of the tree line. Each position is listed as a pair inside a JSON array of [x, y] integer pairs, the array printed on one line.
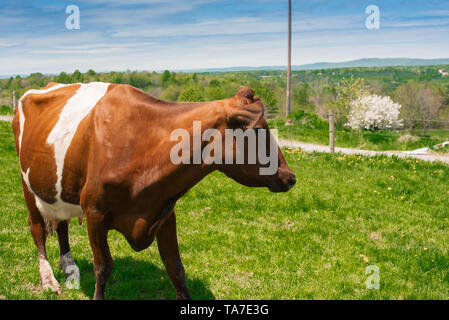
[[423, 92]]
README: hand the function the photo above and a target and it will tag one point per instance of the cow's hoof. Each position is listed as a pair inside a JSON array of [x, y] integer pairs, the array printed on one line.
[[53, 288], [48, 280], [184, 296]]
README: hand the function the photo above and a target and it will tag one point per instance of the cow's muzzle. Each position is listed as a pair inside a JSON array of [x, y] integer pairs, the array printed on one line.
[[284, 182]]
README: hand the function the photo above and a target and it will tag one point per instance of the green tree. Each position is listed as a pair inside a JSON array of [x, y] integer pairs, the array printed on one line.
[[346, 91], [268, 98], [117, 78], [63, 78], [77, 76], [191, 94], [301, 97], [139, 80], [171, 93], [165, 77], [421, 104], [214, 83], [214, 93]]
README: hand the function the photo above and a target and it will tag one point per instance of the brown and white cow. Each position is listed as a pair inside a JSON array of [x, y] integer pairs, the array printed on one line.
[[102, 151]]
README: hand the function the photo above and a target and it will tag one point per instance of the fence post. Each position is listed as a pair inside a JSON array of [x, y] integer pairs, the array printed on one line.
[[14, 99], [331, 132]]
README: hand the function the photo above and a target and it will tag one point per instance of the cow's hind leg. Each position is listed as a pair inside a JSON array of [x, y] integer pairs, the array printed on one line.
[[98, 233], [66, 262], [167, 242], [39, 233]]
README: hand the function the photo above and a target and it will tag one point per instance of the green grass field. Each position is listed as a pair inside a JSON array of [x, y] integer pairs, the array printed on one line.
[[6, 110], [315, 242]]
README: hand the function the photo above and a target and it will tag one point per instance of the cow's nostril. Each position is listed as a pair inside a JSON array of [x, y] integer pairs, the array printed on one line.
[[291, 182]]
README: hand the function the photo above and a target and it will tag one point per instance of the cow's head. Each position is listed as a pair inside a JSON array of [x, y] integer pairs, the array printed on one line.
[[245, 113]]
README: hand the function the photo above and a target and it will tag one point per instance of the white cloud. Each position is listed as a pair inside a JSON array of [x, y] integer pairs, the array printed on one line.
[[93, 48], [75, 51], [109, 38], [7, 44], [240, 26]]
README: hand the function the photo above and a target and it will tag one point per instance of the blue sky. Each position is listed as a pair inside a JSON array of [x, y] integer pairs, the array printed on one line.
[[189, 34]]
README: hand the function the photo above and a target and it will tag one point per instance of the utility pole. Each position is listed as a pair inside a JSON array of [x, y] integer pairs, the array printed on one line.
[[289, 63]]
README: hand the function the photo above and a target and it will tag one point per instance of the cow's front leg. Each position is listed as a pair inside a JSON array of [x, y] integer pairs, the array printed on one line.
[[168, 248], [98, 233]]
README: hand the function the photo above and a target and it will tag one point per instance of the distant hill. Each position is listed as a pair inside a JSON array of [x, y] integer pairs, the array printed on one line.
[[9, 76], [369, 62], [374, 62]]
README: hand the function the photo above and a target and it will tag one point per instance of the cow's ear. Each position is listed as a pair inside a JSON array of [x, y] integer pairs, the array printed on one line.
[[245, 110]]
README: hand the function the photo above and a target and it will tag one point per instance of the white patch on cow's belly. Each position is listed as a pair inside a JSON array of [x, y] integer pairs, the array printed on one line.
[[61, 136], [59, 210]]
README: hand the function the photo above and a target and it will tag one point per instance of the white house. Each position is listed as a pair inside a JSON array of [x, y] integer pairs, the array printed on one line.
[[443, 73]]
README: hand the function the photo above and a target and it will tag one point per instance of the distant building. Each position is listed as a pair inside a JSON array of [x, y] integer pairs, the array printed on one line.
[[443, 73]]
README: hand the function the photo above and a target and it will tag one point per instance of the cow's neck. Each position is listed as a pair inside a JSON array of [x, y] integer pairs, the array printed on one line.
[[175, 180], [211, 115]]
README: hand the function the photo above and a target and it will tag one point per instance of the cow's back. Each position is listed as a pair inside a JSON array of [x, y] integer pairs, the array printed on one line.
[[50, 126]]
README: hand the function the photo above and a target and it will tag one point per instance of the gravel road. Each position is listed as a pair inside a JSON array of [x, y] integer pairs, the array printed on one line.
[[6, 118]]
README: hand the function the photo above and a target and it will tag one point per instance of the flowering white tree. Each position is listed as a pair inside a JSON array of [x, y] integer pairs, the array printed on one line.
[[373, 112]]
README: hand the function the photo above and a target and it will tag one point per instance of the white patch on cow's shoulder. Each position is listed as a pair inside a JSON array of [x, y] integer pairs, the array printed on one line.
[[75, 110]]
